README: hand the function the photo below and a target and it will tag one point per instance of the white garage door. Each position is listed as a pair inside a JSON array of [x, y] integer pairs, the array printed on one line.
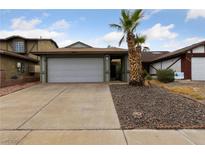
[[75, 69], [198, 68]]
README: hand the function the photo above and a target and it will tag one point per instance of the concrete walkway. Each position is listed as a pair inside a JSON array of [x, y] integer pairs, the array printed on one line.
[[75, 114], [113, 137]]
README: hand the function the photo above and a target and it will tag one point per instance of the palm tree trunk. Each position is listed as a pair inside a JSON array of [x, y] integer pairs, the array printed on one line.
[[134, 58]]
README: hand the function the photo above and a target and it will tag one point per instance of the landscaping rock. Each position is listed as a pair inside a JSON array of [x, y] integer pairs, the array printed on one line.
[[137, 114], [143, 107]]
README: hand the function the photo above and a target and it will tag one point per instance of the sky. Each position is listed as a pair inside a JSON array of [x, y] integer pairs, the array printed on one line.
[[166, 30]]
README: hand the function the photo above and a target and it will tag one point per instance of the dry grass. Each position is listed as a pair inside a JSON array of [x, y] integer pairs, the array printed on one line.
[[185, 90]]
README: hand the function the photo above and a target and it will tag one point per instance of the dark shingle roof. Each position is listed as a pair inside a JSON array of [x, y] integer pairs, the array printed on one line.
[[150, 56], [146, 56], [13, 54], [178, 52], [82, 51], [17, 36]]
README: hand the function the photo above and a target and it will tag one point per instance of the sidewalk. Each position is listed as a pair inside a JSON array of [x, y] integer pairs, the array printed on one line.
[[176, 137]]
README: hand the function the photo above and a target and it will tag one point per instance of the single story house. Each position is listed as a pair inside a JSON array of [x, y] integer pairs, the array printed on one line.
[[17, 63], [189, 60], [80, 62]]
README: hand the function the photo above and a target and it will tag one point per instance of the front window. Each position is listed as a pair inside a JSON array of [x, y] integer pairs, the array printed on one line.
[[19, 47]]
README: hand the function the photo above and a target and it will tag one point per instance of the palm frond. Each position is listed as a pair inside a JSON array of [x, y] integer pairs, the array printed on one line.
[[134, 26], [121, 40], [125, 15], [136, 15], [135, 18], [146, 49], [116, 26], [140, 39]]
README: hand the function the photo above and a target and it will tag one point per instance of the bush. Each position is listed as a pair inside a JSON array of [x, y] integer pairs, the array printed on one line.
[[165, 76], [147, 76]]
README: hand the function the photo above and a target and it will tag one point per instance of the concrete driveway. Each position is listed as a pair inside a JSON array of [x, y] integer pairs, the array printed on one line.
[[74, 114], [59, 106]]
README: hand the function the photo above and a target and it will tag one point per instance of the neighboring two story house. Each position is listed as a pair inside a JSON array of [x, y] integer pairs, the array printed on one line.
[[17, 64]]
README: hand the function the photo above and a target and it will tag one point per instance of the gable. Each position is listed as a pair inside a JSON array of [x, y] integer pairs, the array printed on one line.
[[78, 45]]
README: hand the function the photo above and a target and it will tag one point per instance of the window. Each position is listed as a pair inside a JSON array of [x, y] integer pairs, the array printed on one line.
[[21, 67], [19, 46]]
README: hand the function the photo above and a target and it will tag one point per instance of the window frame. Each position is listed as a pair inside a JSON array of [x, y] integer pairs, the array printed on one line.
[[19, 46]]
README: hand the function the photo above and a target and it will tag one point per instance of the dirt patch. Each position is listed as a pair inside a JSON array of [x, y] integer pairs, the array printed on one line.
[[155, 108], [11, 89], [190, 89]]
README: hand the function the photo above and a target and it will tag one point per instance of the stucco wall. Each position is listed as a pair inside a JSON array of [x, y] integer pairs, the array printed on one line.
[[78, 45], [3, 45], [45, 45], [32, 45], [9, 64], [165, 64], [199, 49]]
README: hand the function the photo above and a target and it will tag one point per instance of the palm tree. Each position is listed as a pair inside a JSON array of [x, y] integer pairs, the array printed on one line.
[[139, 40], [129, 20]]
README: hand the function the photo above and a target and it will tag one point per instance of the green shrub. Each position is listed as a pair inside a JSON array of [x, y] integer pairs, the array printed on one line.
[[165, 76], [147, 76]]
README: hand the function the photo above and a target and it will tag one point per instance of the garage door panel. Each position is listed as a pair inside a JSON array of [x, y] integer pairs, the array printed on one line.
[[198, 68], [75, 70]]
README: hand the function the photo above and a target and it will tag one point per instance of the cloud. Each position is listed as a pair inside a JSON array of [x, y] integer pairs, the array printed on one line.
[[30, 29], [150, 13], [112, 38], [159, 32], [22, 24], [64, 43], [194, 14], [35, 33], [59, 25], [45, 14], [177, 44]]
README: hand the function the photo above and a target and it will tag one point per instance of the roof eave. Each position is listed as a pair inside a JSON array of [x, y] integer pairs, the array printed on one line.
[[18, 56], [78, 53]]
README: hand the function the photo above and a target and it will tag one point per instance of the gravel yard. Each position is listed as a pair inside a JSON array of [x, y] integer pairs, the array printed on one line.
[[143, 107]]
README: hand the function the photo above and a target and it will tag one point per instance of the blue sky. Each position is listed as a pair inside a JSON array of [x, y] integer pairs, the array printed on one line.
[[165, 29]]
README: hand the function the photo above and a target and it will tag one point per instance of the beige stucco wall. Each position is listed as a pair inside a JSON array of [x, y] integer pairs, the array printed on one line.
[[3, 45], [45, 45], [9, 64], [32, 45]]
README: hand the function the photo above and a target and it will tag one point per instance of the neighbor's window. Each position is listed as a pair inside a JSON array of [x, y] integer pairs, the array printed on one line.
[[19, 46]]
